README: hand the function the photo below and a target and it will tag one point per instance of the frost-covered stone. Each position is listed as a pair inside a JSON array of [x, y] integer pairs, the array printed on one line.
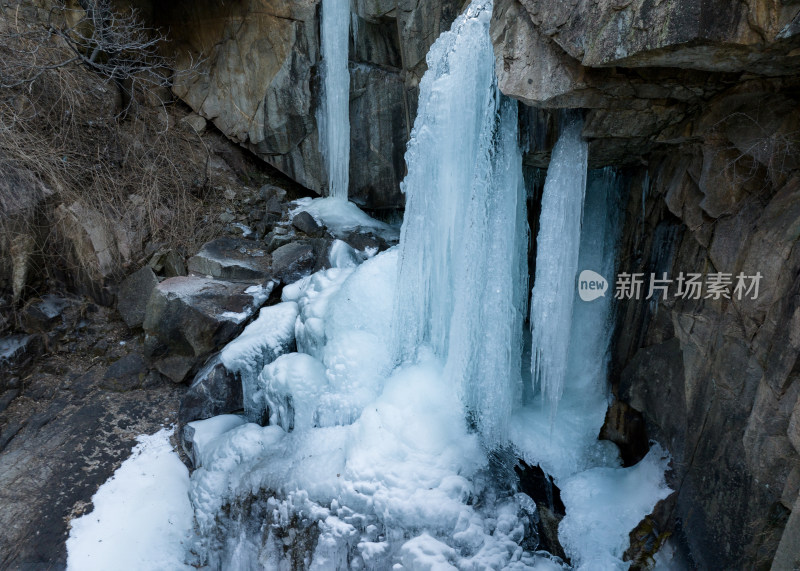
[[40, 315], [168, 263], [306, 224], [197, 436], [297, 260], [16, 351], [263, 341], [232, 259], [214, 390]]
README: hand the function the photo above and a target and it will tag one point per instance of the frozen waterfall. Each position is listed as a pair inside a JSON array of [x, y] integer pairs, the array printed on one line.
[[333, 117], [558, 246], [603, 500], [462, 275], [391, 384], [367, 461]]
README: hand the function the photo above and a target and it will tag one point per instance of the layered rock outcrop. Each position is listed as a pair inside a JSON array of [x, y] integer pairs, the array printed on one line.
[[641, 69], [259, 83]]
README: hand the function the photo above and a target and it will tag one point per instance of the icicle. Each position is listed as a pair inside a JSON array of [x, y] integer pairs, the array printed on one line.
[[333, 117], [462, 274], [558, 247]]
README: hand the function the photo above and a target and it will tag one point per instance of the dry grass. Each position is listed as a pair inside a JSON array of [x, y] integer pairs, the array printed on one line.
[[64, 141]]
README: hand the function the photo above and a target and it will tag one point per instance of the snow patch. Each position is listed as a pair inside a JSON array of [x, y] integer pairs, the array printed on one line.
[[142, 517]]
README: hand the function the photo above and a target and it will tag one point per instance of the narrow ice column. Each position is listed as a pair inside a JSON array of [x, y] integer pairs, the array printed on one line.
[[485, 349], [592, 321], [558, 247], [334, 116]]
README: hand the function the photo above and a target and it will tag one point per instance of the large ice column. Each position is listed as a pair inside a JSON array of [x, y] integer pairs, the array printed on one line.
[[558, 248], [461, 279], [485, 349], [334, 116]]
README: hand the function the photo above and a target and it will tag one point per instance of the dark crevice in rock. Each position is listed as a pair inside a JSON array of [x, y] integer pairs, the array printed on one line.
[[534, 482]]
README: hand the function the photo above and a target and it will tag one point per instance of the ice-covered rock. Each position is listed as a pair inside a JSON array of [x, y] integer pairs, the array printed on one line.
[[16, 351], [262, 341], [299, 259], [214, 390], [342, 217], [187, 318], [291, 389], [197, 435]]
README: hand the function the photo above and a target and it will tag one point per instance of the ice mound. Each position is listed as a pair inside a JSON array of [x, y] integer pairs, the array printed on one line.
[[605, 504], [405, 484]]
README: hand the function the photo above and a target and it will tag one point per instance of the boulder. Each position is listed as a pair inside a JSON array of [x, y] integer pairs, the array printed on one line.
[[90, 240], [168, 263], [16, 351], [195, 122], [305, 223], [232, 259], [41, 315], [22, 201], [187, 318], [364, 241], [214, 391], [277, 238], [299, 259], [133, 295], [275, 200]]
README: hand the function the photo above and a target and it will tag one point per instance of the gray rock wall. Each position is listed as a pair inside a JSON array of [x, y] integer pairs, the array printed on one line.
[[641, 69], [258, 82], [717, 379]]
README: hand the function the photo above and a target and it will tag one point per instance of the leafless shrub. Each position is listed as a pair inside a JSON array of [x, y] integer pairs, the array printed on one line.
[[64, 141], [116, 45]]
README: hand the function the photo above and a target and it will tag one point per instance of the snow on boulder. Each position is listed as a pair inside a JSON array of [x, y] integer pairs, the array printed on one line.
[[232, 259], [188, 317]]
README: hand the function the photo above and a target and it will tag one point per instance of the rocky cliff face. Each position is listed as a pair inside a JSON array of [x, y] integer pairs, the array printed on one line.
[[698, 101], [259, 81]]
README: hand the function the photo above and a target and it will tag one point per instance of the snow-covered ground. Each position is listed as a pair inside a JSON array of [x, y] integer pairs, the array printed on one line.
[[142, 518]]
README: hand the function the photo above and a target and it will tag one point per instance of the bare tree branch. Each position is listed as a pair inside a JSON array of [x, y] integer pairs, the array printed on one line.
[[116, 45]]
